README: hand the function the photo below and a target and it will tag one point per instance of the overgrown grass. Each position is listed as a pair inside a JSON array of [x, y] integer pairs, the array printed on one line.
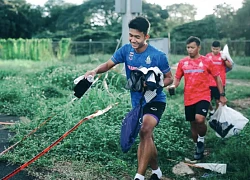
[[239, 72], [38, 90]]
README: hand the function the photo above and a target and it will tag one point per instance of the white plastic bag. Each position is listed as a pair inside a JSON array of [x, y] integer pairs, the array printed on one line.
[[227, 122], [226, 55]]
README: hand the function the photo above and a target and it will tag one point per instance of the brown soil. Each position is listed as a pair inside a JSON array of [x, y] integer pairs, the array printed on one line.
[[241, 103], [238, 82]]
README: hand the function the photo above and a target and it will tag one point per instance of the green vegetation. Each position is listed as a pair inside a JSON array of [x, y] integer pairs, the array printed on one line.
[[34, 49], [40, 89], [239, 72], [64, 48]]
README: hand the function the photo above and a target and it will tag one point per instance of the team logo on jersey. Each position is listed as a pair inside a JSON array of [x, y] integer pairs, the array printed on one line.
[[148, 60], [131, 54], [200, 64], [186, 63]]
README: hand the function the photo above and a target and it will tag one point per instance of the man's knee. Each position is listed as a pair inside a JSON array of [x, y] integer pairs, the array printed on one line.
[[146, 131], [200, 119], [149, 122]]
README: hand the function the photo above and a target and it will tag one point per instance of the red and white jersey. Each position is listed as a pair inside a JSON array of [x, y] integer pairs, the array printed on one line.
[[220, 64], [196, 78]]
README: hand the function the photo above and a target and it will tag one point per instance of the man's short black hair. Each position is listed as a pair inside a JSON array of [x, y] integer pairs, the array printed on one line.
[[216, 44], [140, 23], [193, 39]]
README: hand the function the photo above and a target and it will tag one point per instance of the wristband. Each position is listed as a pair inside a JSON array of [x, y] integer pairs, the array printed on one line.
[[222, 94]]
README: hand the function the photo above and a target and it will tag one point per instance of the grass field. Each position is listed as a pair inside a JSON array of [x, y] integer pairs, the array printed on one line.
[[37, 90]]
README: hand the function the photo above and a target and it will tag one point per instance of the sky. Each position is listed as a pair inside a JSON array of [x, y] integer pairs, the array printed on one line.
[[204, 7]]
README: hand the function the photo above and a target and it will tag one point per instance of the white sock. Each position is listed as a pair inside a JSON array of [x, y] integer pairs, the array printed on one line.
[[212, 111], [139, 176], [157, 172], [200, 139]]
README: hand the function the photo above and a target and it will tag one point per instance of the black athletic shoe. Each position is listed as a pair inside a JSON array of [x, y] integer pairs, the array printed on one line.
[[154, 177], [136, 179], [199, 151]]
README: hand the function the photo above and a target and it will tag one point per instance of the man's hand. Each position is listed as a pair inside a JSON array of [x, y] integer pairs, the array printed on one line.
[[88, 75], [223, 56], [92, 73], [171, 89], [223, 100], [172, 86]]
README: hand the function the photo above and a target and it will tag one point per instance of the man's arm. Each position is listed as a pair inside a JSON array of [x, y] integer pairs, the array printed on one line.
[[168, 79], [223, 99], [101, 68], [228, 64], [176, 82]]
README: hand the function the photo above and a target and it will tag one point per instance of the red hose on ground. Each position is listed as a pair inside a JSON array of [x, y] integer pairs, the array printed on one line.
[[97, 113]]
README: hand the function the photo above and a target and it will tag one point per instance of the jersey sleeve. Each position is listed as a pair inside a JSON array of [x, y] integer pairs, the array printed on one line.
[[120, 55], [179, 71], [163, 64]]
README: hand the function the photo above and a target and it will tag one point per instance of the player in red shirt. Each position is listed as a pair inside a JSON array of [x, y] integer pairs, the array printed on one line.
[[221, 63], [196, 70]]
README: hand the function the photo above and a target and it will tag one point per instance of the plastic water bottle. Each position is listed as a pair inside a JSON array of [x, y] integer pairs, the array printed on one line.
[[83, 85]]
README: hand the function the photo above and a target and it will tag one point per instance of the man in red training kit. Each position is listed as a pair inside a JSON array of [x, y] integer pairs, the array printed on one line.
[[196, 70], [221, 62]]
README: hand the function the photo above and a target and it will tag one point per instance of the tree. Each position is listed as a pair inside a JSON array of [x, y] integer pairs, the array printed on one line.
[[242, 25], [157, 17], [242, 21], [224, 14], [14, 23], [99, 15], [58, 19], [180, 14], [204, 29], [53, 10], [224, 10], [94, 14]]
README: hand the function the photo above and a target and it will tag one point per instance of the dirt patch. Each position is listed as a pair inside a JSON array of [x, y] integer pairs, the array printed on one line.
[[238, 82], [5, 135], [241, 103]]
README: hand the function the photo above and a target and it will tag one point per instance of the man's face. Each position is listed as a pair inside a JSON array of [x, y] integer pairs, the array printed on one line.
[[215, 50], [193, 49], [137, 39]]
